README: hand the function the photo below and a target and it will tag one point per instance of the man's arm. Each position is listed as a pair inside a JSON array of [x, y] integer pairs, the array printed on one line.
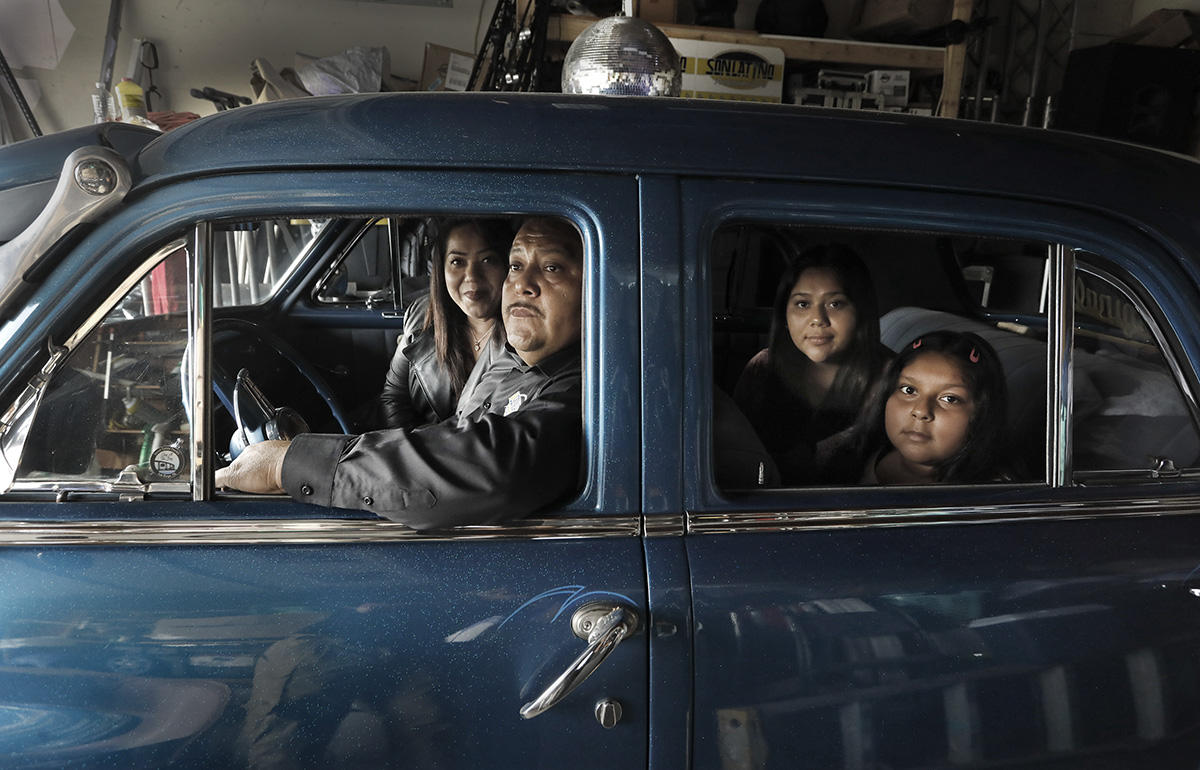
[[452, 473]]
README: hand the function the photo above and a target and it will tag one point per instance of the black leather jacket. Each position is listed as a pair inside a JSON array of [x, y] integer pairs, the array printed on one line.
[[512, 448], [417, 389]]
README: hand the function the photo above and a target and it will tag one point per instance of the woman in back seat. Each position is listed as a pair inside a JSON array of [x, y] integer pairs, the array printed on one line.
[[823, 354]]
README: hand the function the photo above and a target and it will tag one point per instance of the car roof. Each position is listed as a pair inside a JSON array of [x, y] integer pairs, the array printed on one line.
[[674, 136]]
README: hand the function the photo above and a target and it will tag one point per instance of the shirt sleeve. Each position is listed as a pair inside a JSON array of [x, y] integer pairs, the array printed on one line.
[[454, 473]]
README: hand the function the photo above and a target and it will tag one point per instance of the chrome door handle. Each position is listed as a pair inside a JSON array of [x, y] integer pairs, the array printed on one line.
[[604, 627]]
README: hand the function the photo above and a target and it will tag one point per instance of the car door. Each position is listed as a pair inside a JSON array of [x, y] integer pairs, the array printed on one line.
[[1044, 620], [149, 620]]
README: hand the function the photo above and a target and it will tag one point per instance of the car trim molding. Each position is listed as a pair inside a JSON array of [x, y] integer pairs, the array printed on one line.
[[773, 521], [665, 525], [298, 531]]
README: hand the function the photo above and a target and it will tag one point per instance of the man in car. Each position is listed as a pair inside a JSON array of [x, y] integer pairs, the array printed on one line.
[[513, 445]]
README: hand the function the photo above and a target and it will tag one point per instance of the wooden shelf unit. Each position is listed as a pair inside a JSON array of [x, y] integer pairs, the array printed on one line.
[[949, 59]]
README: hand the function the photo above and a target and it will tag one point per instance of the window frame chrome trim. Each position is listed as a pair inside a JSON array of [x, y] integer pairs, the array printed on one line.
[[717, 523], [191, 532]]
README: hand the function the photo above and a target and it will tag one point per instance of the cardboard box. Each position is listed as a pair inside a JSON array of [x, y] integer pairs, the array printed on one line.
[[445, 69], [892, 85], [657, 10], [1167, 28], [882, 18], [748, 73]]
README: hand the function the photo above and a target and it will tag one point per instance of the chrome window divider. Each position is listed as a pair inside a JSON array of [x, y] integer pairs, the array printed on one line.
[[199, 348], [1060, 364]]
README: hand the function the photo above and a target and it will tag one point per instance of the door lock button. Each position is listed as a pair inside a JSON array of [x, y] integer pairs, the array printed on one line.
[[608, 712]]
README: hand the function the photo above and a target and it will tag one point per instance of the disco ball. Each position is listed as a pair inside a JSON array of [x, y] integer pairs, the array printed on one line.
[[622, 56]]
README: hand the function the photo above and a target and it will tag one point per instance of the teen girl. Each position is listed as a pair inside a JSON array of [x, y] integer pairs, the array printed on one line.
[[823, 354]]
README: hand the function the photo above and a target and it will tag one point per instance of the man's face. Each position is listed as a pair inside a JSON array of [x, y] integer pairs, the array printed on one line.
[[543, 294]]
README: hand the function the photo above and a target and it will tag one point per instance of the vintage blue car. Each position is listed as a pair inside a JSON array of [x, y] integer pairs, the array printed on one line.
[[680, 611]]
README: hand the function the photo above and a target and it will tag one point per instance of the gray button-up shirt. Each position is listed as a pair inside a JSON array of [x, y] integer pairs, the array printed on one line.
[[512, 447]]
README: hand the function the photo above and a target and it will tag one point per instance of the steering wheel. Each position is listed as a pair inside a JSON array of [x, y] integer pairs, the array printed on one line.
[[257, 419]]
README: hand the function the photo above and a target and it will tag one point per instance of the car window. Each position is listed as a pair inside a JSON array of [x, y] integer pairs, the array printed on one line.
[[116, 411], [1130, 413], [252, 259], [116, 407], [1129, 410], [375, 252]]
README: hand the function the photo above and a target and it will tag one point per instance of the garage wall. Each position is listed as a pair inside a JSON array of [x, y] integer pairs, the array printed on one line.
[[211, 43]]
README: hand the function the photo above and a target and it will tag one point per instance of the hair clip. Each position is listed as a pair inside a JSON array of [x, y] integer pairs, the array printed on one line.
[[917, 344], [974, 356]]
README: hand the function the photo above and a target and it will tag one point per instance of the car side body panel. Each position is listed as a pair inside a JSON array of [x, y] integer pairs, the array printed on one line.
[[1018, 625]]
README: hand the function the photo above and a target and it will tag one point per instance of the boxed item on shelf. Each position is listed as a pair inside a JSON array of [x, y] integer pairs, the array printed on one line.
[[892, 85], [841, 80], [445, 69], [657, 10], [713, 70], [884, 18]]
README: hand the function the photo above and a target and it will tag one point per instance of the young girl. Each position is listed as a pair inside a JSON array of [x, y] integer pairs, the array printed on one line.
[[939, 415], [823, 354]]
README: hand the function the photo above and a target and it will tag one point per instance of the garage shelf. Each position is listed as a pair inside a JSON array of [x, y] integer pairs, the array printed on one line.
[[949, 59]]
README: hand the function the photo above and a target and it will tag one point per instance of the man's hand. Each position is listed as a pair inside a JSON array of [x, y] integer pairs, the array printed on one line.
[[259, 468]]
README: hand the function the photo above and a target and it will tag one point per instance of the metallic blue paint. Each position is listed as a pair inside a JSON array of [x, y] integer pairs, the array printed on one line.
[[903, 637]]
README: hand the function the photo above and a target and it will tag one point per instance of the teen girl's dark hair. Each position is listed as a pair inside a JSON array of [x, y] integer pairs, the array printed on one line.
[[981, 457], [451, 334], [864, 358]]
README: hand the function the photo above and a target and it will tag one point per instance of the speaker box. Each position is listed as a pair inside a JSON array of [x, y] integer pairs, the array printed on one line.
[[1141, 94]]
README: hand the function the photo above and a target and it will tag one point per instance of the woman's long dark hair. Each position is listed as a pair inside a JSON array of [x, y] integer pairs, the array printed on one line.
[[982, 456], [451, 334], [864, 358]]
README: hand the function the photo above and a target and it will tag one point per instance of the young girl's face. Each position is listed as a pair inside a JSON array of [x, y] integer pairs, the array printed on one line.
[[821, 319], [928, 415]]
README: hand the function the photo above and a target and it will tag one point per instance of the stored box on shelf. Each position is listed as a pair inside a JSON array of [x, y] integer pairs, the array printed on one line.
[[752, 73], [883, 18], [657, 10], [841, 80], [445, 69], [892, 85]]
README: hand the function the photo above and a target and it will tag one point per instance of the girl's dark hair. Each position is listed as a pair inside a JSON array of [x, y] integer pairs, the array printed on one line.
[[864, 358], [981, 457], [451, 335]]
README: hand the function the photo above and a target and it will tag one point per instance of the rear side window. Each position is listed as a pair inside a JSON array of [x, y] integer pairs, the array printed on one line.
[[849, 358]]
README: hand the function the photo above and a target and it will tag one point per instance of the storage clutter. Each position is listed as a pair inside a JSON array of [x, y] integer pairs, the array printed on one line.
[[878, 89]]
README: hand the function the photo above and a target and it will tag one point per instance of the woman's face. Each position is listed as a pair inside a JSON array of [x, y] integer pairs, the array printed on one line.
[[821, 319], [474, 272], [928, 415]]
